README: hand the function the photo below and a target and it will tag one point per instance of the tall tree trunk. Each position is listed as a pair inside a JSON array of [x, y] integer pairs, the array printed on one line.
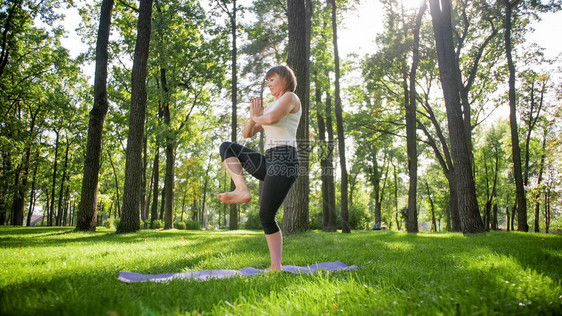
[[145, 191], [32, 198], [515, 149], [411, 141], [455, 218], [54, 181], [148, 197], [169, 186], [332, 216], [19, 198], [162, 204], [17, 201], [533, 119], [432, 208], [379, 198], [448, 71], [233, 224], [396, 197], [170, 155], [547, 210], [116, 179], [539, 180], [295, 217], [156, 176], [66, 205], [46, 209], [130, 220], [445, 160], [88, 205], [340, 128], [62, 182], [206, 184], [328, 219]]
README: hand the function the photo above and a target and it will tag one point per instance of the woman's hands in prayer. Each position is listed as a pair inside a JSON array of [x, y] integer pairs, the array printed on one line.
[[256, 110]]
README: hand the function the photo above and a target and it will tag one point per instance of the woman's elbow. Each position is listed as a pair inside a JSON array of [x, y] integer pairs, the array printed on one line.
[[270, 120]]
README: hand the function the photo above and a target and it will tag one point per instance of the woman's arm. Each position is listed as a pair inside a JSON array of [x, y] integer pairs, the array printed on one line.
[[286, 105], [251, 129]]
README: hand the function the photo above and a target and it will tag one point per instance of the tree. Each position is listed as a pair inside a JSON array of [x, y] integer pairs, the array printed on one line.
[[449, 74], [410, 98], [87, 208], [130, 221], [233, 224], [295, 216], [344, 213], [515, 149]]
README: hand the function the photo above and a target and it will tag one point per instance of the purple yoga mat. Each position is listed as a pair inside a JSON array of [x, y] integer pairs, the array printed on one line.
[[132, 277]]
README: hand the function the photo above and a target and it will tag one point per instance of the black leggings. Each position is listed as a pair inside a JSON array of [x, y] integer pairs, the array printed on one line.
[[278, 170]]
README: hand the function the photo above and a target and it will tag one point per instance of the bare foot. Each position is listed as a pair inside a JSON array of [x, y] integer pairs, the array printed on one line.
[[235, 197]]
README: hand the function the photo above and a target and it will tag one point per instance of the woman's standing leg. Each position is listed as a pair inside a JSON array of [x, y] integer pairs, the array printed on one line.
[[275, 245], [282, 166]]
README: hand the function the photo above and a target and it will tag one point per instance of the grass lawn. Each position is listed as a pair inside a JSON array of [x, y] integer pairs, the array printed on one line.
[[56, 271]]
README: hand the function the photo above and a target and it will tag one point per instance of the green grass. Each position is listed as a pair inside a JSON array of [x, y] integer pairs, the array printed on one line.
[[56, 271]]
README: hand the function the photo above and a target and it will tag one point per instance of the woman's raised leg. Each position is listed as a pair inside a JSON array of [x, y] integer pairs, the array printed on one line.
[[241, 194]]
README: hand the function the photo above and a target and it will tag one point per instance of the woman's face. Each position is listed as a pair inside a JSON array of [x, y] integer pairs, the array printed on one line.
[[276, 85]]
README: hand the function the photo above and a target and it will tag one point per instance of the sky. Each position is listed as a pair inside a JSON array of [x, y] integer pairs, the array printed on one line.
[[358, 32]]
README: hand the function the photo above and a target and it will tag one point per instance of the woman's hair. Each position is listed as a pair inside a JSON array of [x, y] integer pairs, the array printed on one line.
[[286, 74]]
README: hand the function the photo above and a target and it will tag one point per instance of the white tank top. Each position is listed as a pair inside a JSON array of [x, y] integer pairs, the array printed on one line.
[[283, 132]]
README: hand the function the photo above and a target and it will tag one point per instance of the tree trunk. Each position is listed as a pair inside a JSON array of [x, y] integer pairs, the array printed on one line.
[[547, 211], [54, 181], [19, 198], [295, 217], [344, 214], [456, 225], [330, 174], [206, 184], [495, 214], [169, 186], [66, 206], [448, 71], [60, 214], [170, 151], [87, 207], [148, 197], [16, 217], [432, 208], [508, 218], [130, 221], [379, 197], [32, 198], [448, 169], [156, 176], [515, 149], [233, 224], [396, 197], [411, 141], [144, 198], [327, 224], [539, 180], [116, 179], [162, 204]]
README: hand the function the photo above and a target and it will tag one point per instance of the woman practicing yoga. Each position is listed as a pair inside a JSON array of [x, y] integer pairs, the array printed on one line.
[[278, 169]]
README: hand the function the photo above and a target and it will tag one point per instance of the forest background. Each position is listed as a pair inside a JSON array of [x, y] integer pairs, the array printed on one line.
[[366, 164]]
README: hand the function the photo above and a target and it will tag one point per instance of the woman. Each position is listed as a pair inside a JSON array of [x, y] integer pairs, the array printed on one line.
[[278, 168]]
